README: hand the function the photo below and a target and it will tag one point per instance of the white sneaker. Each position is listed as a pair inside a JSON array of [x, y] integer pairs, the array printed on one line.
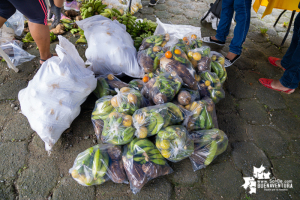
[[71, 6]]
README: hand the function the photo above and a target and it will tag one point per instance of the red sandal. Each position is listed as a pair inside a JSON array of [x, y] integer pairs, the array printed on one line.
[[272, 60], [267, 83]]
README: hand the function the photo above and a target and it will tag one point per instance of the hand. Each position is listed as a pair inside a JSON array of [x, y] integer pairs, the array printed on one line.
[[57, 13]]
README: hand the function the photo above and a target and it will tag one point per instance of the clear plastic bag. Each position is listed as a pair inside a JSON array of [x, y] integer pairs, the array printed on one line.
[[110, 47], [136, 84], [174, 143], [52, 99], [15, 53], [203, 115], [118, 129], [16, 22], [208, 145], [192, 40], [143, 162], [148, 121], [127, 100], [186, 96], [154, 40], [217, 65], [149, 58], [211, 86], [181, 44], [6, 34], [163, 88], [98, 164], [200, 58], [176, 62], [136, 5]]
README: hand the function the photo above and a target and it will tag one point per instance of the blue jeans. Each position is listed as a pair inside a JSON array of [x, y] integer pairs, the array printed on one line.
[[242, 10], [291, 59]]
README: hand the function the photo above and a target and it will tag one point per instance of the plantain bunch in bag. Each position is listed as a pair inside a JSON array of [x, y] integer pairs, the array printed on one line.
[[98, 164], [143, 162], [174, 144], [208, 145]]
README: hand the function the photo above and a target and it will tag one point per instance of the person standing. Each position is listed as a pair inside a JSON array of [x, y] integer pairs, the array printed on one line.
[[242, 10]]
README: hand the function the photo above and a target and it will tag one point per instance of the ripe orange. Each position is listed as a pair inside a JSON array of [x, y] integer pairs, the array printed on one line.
[[196, 56], [110, 77], [194, 36], [177, 51], [146, 79], [185, 39], [168, 54]]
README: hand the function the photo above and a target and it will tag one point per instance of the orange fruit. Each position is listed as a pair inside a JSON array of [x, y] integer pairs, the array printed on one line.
[[185, 39], [168, 54], [194, 36], [110, 77], [196, 56], [146, 79], [177, 51]]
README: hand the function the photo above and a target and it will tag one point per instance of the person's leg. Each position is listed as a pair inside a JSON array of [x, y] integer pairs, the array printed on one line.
[[225, 20], [242, 17], [2, 21]]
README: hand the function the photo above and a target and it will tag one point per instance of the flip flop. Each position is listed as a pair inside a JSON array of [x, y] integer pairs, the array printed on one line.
[[267, 83], [209, 40], [45, 60], [272, 60], [230, 62]]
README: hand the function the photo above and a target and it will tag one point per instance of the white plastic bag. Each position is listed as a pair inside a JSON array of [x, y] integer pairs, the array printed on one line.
[[176, 32], [16, 22], [53, 97], [110, 47], [15, 52]]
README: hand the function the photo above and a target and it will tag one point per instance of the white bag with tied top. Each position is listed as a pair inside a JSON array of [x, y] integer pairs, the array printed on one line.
[[53, 97]]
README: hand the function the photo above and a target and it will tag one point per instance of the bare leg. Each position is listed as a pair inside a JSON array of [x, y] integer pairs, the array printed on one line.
[[2, 21], [59, 3], [41, 36], [231, 55], [277, 85]]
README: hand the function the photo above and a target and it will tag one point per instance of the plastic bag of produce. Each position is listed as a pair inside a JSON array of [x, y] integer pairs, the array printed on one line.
[[192, 40], [217, 65], [181, 44], [136, 84], [123, 5], [163, 88], [98, 164], [200, 58], [118, 129], [174, 143], [155, 40], [208, 145], [127, 100], [143, 162], [203, 115], [176, 61], [149, 58], [148, 121], [186, 96], [53, 97], [211, 86], [110, 47]]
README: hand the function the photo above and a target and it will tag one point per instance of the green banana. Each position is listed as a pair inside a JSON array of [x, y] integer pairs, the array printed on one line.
[[159, 123], [212, 152], [159, 161], [96, 163], [209, 122], [215, 68]]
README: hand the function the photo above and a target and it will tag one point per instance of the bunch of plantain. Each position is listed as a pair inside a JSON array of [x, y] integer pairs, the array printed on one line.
[[141, 30], [90, 8], [148, 121], [211, 86], [28, 37], [90, 167], [202, 115], [163, 88], [82, 39], [103, 108], [118, 129], [155, 40], [217, 66], [127, 101], [103, 88], [208, 145], [149, 58], [143, 162], [174, 144]]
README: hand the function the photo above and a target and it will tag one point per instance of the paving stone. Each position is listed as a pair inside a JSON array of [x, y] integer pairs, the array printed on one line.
[[150, 17], [6, 192], [111, 190], [288, 169], [226, 105], [189, 7], [163, 14], [183, 173], [10, 89], [269, 140], [147, 11], [172, 3], [253, 28], [192, 14], [13, 156], [161, 7], [271, 31], [253, 112], [270, 98], [176, 10], [253, 53], [69, 189], [276, 40], [222, 181], [247, 155], [295, 146], [38, 179], [268, 19], [257, 22], [292, 101], [16, 129], [261, 194], [257, 37], [158, 188], [191, 193], [287, 122]]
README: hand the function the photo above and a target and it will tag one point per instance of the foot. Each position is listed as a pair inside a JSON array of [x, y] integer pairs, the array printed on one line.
[[231, 55], [275, 85], [278, 86], [230, 59], [71, 6], [276, 62], [213, 40], [42, 60]]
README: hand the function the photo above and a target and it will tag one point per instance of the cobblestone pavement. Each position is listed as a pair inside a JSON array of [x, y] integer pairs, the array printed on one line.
[[262, 126]]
